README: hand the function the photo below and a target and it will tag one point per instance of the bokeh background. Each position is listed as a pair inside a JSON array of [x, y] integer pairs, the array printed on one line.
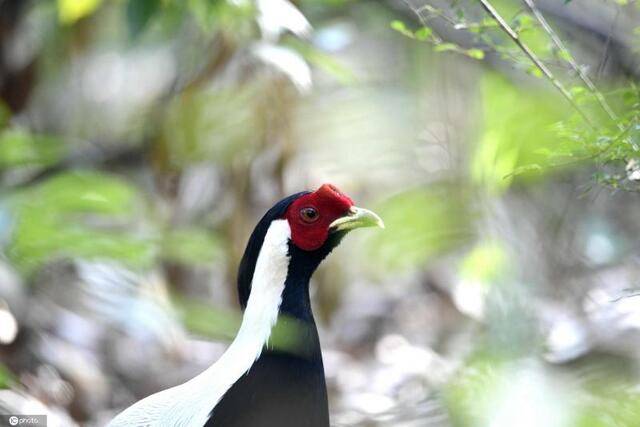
[[141, 140]]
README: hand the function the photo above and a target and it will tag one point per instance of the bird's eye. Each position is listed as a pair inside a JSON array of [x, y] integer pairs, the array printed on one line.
[[309, 214]]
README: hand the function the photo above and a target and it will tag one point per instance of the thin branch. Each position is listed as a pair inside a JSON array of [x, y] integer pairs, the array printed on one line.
[[421, 18], [622, 135], [561, 46], [629, 295], [607, 45], [433, 11], [488, 7]]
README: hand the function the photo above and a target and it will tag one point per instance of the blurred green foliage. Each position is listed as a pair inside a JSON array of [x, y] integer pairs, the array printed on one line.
[[139, 13], [426, 34], [204, 320], [6, 377], [18, 147], [486, 263], [191, 246], [228, 118], [471, 395], [485, 380], [239, 125], [518, 131], [421, 223], [289, 334], [609, 403], [69, 11], [93, 215], [75, 214], [516, 118]]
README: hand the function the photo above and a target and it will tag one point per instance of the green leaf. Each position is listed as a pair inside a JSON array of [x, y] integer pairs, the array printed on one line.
[[534, 71], [327, 63], [565, 55], [423, 33], [20, 148], [331, 66], [475, 53], [70, 11], [446, 47], [139, 13], [524, 23], [577, 90], [401, 27], [530, 168]]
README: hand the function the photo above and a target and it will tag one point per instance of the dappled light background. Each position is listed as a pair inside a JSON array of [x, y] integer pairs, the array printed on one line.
[[141, 140]]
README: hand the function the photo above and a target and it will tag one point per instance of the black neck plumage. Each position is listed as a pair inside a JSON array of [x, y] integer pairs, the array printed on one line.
[[250, 257], [285, 387]]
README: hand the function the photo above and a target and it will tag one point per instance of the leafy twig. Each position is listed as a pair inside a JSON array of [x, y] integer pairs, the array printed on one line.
[[433, 11], [622, 135], [426, 33], [569, 58], [421, 18], [488, 7]]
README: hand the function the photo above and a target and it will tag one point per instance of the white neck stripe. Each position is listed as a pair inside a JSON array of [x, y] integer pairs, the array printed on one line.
[[191, 403]]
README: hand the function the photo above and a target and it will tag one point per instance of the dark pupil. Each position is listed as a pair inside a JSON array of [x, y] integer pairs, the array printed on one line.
[[309, 213]]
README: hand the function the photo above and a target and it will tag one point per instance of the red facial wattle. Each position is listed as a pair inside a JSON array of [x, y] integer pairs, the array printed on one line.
[[309, 231]]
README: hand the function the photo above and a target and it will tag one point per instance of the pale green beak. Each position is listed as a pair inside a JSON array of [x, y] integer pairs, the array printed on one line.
[[356, 218]]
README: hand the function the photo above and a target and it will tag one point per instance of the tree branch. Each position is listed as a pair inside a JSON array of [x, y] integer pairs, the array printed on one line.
[[569, 58], [488, 7], [607, 45]]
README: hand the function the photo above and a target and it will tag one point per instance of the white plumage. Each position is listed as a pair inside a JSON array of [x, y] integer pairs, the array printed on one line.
[[190, 404], [278, 16]]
